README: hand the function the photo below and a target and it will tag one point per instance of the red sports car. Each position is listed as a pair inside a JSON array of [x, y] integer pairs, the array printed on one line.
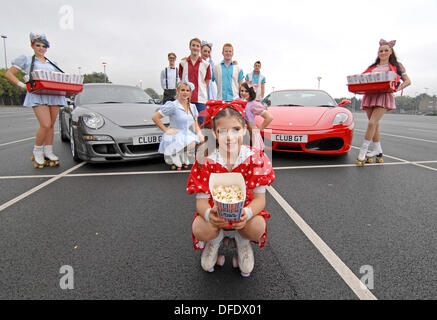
[[307, 121]]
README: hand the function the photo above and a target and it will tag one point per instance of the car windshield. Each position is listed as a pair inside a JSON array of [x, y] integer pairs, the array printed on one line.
[[299, 98], [112, 94]]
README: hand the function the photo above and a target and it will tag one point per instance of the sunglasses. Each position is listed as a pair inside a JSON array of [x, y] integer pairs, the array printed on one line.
[[41, 45]]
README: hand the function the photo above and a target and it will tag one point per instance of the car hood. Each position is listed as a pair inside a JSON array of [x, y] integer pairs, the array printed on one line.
[[127, 114], [298, 116]]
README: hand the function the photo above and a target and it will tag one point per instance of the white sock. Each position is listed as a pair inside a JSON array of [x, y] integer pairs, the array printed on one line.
[[365, 145], [219, 238], [48, 148], [378, 147], [38, 148], [240, 240], [372, 146]]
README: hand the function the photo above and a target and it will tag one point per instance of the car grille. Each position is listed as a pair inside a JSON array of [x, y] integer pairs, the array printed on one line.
[[140, 149], [329, 144]]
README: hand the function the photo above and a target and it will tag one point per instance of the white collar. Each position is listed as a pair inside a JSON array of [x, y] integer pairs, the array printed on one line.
[[245, 152]]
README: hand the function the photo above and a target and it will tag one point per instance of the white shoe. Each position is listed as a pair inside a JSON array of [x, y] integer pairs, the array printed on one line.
[[362, 155], [246, 260], [209, 256], [372, 153]]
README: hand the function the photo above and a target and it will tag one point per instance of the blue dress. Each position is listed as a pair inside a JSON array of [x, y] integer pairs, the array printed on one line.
[[23, 64], [181, 120]]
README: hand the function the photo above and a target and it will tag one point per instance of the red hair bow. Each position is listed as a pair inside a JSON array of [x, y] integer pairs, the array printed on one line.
[[213, 107]]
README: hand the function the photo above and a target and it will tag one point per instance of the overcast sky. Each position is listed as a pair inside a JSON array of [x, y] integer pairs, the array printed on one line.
[[296, 41]]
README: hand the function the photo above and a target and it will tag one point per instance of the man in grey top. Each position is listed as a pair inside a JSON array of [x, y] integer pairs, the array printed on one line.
[[169, 79]]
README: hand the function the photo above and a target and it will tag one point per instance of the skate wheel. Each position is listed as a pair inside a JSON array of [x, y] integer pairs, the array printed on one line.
[[32, 158], [221, 260], [379, 160], [369, 160], [235, 262], [245, 275], [52, 164], [36, 165], [359, 163]]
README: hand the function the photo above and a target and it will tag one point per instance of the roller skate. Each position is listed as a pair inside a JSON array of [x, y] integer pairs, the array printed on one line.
[[210, 256], [53, 160], [361, 159], [374, 154], [245, 260], [38, 159]]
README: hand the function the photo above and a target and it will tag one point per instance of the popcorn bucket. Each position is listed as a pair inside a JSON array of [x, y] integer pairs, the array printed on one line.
[[378, 76], [228, 210], [350, 79], [370, 77], [67, 77], [363, 78]]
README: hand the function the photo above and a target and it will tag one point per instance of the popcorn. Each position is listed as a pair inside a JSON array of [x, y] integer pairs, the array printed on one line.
[[228, 191], [228, 194]]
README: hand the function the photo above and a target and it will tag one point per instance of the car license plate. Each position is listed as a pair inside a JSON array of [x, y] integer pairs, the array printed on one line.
[[290, 138], [150, 139]]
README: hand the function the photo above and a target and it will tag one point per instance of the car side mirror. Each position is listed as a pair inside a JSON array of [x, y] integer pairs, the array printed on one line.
[[157, 101], [151, 101], [344, 102]]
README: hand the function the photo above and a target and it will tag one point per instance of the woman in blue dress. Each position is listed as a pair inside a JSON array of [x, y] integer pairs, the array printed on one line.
[[183, 133], [45, 107]]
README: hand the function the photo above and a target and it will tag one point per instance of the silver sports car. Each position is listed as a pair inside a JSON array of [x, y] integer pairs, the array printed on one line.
[[109, 122]]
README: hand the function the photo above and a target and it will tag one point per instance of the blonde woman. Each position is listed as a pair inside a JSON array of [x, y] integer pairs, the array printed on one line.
[[183, 133]]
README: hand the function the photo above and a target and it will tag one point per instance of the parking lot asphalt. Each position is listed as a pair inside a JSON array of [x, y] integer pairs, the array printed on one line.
[[124, 228]]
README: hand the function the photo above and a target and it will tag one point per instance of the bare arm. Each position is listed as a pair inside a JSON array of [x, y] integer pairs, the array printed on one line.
[[11, 75], [268, 118], [263, 87], [406, 82]]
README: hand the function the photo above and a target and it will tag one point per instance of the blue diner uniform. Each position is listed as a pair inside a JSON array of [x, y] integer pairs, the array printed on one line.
[[181, 120], [23, 64]]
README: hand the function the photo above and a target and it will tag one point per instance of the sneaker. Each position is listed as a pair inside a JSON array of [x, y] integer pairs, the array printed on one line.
[[209, 256]]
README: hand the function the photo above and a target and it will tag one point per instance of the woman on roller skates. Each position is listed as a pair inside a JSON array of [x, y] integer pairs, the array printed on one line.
[[230, 155], [377, 104], [45, 107]]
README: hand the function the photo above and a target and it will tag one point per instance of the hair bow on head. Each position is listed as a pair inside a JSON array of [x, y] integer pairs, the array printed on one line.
[[391, 44], [190, 84], [40, 38], [204, 42], [213, 107]]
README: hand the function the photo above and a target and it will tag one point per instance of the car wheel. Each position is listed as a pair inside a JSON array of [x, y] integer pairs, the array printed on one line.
[[73, 145], [62, 129]]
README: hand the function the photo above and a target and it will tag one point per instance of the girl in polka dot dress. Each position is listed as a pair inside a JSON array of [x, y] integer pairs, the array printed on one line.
[[229, 127]]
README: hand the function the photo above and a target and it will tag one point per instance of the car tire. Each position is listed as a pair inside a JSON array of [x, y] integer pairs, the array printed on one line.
[[64, 136], [73, 145]]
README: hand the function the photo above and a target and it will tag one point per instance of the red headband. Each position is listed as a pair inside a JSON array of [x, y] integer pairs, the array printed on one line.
[[213, 107]]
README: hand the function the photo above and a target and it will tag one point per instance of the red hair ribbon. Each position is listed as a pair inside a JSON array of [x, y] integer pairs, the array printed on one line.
[[213, 107]]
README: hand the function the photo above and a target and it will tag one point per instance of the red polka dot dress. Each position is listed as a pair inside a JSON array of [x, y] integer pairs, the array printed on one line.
[[253, 164]]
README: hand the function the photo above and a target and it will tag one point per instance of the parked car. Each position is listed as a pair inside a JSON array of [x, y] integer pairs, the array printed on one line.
[[307, 121], [109, 122]]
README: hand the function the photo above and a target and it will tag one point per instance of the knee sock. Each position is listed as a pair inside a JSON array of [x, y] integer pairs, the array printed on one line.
[[218, 239], [240, 240]]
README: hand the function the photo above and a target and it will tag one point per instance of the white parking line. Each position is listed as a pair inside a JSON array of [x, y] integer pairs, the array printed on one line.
[[16, 141], [339, 266], [39, 187], [415, 163], [403, 137], [129, 173]]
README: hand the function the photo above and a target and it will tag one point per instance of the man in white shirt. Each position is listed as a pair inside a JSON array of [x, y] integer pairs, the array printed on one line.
[[169, 79], [258, 80]]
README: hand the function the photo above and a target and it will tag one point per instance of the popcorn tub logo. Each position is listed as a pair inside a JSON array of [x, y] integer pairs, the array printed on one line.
[[229, 193]]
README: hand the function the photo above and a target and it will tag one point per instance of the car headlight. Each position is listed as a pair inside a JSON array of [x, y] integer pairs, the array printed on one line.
[[340, 118], [93, 120]]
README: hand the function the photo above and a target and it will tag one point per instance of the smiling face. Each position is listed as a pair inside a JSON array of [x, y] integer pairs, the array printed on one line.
[[244, 93], [206, 52], [39, 48], [228, 53], [195, 47], [229, 132], [183, 92], [384, 53]]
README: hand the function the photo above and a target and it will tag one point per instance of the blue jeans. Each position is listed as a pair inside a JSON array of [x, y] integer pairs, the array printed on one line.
[[200, 107]]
